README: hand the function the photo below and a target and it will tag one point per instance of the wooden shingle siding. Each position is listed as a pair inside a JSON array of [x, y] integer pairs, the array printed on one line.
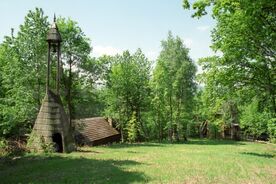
[[51, 120]]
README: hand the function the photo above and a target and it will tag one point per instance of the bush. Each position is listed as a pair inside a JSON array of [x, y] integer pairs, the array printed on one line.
[[132, 129], [193, 129], [12, 147], [3, 145], [213, 131], [271, 127], [254, 122], [37, 143]]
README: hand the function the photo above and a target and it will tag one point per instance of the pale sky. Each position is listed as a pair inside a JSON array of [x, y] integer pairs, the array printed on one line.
[[117, 25]]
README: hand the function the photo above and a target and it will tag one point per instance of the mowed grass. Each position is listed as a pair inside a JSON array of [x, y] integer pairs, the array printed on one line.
[[198, 161]]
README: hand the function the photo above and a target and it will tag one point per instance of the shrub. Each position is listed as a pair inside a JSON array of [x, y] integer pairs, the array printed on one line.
[[12, 147], [254, 122], [132, 128], [3, 145], [193, 129], [213, 131], [271, 127]]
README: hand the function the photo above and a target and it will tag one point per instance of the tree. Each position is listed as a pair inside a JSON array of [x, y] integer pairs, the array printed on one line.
[[158, 109], [31, 47], [245, 34], [254, 121], [75, 52], [132, 128], [128, 88], [22, 61], [174, 82], [23, 71]]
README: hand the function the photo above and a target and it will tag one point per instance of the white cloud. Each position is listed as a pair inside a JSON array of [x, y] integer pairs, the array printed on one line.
[[151, 55], [99, 50], [203, 28], [188, 42]]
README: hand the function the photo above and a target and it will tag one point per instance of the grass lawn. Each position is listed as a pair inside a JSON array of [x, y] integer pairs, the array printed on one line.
[[198, 161]]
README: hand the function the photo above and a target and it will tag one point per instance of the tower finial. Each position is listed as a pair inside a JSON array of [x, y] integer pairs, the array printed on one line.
[[54, 17]]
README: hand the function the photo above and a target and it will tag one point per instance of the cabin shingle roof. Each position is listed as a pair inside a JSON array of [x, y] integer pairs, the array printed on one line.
[[94, 129]]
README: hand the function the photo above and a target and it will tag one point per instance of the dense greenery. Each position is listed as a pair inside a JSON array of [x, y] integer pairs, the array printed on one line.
[[127, 93], [198, 161], [22, 60], [173, 87], [245, 73], [151, 100], [23, 71]]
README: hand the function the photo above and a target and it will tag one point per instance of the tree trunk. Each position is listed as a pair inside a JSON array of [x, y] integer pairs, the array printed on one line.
[[69, 92], [122, 132], [176, 132], [145, 131], [38, 85], [171, 120], [271, 91], [159, 127]]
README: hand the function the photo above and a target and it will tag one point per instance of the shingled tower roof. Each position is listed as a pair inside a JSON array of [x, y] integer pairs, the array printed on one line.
[[51, 126], [53, 33]]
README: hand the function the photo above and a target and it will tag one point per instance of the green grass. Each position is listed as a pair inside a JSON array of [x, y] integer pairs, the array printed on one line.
[[198, 161]]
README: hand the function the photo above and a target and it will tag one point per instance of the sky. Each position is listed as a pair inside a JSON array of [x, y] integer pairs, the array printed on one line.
[[117, 25]]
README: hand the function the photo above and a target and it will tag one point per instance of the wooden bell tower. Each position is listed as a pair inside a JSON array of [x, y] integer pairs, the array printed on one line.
[[52, 131]]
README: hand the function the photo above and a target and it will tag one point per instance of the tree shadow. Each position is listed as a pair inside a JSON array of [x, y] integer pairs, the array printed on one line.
[[61, 169], [212, 142], [166, 143], [130, 145], [87, 150], [264, 155]]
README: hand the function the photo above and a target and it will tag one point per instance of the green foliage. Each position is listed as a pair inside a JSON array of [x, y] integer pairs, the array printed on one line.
[[173, 88], [34, 138], [3, 146], [253, 121], [127, 90], [213, 130], [22, 60], [244, 36], [151, 103], [271, 127], [75, 56], [11, 148], [193, 129], [23, 72], [132, 128], [47, 147]]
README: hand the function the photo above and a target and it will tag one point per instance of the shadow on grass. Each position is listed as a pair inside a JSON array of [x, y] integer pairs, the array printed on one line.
[[66, 169], [129, 145], [264, 155], [80, 150], [167, 143], [213, 142]]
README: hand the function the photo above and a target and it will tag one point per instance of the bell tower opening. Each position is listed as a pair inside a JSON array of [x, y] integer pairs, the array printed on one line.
[[57, 140]]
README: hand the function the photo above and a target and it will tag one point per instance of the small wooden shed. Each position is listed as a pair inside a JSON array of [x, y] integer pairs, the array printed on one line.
[[95, 131]]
